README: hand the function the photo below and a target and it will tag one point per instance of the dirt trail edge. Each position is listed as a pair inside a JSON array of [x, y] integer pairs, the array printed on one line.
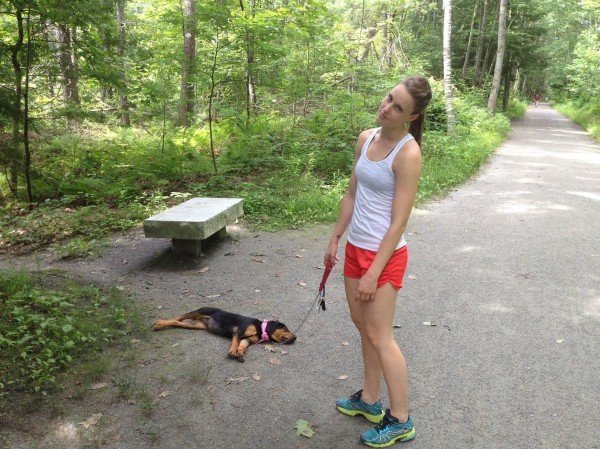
[[499, 320]]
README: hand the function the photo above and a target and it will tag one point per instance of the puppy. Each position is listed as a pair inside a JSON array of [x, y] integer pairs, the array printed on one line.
[[242, 330]]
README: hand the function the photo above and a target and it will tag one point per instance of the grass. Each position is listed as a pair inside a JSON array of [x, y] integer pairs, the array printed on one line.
[[587, 117]]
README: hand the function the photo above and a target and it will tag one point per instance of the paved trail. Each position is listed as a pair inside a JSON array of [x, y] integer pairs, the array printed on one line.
[[507, 267]]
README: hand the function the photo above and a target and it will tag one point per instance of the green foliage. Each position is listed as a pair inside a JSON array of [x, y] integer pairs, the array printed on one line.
[[588, 117], [451, 159], [43, 330]]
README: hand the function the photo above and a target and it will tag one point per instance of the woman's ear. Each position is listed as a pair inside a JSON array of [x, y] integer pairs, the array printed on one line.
[[414, 117]]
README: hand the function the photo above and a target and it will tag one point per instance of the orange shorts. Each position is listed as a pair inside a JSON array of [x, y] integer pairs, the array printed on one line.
[[357, 261]]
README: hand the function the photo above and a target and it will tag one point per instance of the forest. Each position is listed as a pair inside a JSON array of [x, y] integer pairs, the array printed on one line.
[[113, 109]]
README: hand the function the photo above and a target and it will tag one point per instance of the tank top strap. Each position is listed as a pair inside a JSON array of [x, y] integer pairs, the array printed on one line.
[[399, 146], [369, 140]]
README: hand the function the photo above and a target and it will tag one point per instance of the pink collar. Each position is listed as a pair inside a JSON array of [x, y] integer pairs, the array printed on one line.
[[264, 337]]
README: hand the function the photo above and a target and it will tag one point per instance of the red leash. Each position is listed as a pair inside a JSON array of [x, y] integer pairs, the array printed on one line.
[[321, 296], [320, 299]]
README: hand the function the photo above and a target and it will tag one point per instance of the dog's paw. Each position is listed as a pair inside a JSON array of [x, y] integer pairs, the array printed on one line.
[[237, 356]]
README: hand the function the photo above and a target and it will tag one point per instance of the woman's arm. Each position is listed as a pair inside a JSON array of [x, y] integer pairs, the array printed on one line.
[[346, 207]]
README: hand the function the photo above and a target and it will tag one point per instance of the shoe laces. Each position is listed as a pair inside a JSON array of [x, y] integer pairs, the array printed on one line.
[[385, 422], [356, 397]]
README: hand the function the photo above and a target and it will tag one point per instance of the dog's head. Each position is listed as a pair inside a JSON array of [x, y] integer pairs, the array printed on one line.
[[279, 333]]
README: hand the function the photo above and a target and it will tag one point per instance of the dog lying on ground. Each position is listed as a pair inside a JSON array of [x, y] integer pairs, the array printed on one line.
[[243, 330]]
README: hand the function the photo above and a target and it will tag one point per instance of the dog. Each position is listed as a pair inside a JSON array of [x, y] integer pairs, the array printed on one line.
[[243, 330]]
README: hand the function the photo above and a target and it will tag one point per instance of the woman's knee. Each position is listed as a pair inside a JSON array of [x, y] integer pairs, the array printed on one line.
[[377, 337]]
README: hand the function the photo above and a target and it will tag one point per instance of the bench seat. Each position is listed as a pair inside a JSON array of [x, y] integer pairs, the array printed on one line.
[[193, 221]]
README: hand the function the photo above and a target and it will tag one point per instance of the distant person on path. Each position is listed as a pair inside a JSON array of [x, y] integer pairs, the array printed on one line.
[[536, 98], [376, 206]]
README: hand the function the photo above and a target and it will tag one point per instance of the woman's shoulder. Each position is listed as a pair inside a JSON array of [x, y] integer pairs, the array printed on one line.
[[363, 136]]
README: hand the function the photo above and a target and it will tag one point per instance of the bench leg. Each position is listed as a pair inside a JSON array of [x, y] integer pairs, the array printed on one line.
[[187, 247]]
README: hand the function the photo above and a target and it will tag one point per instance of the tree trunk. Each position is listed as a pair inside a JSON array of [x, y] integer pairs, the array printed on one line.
[[27, 165], [251, 99], [488, 66], [480, 39], [188, 67], [450, 118], [123, 100], [469, 42], [13, 156], [499, 57], [67, 67]]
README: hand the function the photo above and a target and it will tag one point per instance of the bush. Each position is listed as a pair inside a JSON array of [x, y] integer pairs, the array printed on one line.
[[43, 330]]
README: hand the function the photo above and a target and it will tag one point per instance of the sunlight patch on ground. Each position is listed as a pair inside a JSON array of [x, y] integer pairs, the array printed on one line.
[[559, 207], [469, 249], [518, 208], [588, 195], [528, 181], [65, 433], [593, 308]]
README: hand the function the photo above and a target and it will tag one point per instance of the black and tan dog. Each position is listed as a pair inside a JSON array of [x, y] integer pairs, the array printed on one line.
[[243, 330]]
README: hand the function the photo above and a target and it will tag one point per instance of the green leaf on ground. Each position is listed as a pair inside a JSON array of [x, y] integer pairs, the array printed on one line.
[[304, 428]]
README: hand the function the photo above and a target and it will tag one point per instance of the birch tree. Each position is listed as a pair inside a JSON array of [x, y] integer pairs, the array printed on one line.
[[451, 119]]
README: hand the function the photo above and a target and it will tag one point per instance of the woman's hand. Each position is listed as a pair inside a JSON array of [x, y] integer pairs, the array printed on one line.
[[366, 288], [331, 257]]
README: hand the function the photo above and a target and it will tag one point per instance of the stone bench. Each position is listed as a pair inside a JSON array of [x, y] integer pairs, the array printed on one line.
[[191, 222]]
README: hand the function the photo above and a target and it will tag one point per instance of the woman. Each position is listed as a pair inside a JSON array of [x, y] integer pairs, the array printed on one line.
[[376, 206]]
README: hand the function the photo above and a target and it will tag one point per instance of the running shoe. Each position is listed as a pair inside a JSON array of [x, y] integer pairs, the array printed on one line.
[[356, 406], [388, 431]]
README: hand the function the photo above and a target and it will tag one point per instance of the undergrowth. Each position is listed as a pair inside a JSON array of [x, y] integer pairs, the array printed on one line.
[[45, 328]]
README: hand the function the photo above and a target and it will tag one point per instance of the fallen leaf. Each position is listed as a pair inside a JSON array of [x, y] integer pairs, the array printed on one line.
[[304, 428], [411, 276], [259, 260], [255, 376], [345, 343], [429, 323], [98, 386], [163, 394], [274, 361], [302, 284], [270, 348], [236, 379], [92, 420], [559, 341], [203, 270], [283, 352], [343, 377], [212, 296], [256, 290], [298, 256]]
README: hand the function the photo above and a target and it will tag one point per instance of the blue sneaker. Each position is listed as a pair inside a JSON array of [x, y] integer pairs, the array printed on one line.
[[388, 431], [356, 406]]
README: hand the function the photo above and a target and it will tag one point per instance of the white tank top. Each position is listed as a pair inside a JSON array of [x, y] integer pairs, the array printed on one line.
[[375, 189]]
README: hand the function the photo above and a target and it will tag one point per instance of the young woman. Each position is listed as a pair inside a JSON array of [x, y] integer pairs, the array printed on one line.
[[376, 206]]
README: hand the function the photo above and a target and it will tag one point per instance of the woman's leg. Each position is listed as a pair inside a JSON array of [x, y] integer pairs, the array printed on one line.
[[371, 363], [377, 331]]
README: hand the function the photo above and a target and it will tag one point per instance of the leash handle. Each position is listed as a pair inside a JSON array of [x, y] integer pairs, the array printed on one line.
[[328, 268], [321, 295]]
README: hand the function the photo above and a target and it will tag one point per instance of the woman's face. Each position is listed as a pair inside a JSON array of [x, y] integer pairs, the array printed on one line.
[[396, 108]]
